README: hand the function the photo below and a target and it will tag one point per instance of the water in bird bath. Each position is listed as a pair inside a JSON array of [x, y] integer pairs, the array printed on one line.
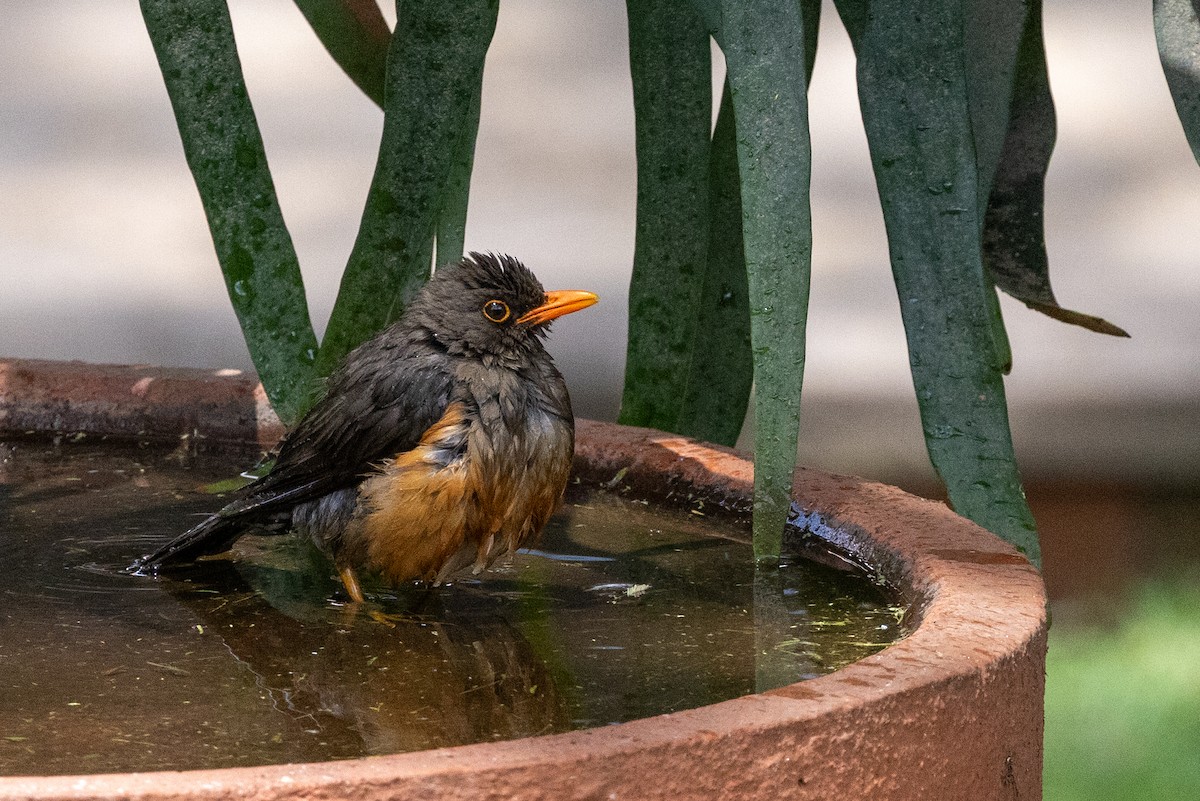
[[626, 610]]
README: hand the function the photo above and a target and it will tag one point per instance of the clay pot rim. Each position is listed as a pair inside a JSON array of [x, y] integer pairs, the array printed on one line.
[[978, 600]]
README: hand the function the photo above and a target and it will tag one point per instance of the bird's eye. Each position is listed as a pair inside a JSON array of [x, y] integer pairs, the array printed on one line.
[[496, 310]]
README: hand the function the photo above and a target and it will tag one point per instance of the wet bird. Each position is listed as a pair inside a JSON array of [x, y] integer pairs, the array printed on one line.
[[443, 442]]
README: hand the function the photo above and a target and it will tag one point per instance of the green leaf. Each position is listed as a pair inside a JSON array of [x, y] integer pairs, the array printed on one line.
[[669, 61], [912, 84], [991, 38], [435, 66], [452, 221], [1177, 28], [721, 373], [193, 40], [722, 370], [356, 35], [1014, 240], [764, 46], [810, 13]]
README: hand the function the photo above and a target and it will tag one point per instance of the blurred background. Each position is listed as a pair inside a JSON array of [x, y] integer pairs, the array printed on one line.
[[105, 257]]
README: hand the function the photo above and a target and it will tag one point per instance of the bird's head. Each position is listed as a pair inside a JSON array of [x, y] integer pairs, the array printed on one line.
[[491, 304]]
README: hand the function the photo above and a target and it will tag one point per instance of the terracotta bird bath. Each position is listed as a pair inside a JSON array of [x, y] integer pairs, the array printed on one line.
[[954, 710]]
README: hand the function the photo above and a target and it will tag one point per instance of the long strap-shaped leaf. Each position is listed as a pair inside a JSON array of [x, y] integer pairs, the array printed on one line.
[[912, 88], [356, 35], [991, 39], [1177, 28], [721, 374], [193, 40], [452, 219], [722, 371], [672, 98], [764, 46], [1014, 239], [435, 66]]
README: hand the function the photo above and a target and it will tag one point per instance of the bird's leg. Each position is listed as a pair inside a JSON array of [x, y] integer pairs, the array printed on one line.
[[350, 581], [483, 555]]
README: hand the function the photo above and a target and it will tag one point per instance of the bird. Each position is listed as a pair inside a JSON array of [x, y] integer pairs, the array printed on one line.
[[443, 442]]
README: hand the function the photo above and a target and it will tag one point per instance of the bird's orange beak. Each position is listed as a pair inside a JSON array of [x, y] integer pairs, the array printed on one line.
[[558, 303]]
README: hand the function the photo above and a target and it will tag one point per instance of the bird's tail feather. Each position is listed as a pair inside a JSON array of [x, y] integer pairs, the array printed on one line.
[[263, 509], [215, 534]]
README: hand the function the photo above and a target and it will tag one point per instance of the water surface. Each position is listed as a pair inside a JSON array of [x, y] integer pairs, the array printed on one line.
[[624, 611]]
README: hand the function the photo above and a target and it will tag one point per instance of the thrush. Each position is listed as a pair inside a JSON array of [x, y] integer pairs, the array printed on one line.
[[443, 442]]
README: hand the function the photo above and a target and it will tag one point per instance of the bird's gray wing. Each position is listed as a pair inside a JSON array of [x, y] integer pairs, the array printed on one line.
[[377, 405]]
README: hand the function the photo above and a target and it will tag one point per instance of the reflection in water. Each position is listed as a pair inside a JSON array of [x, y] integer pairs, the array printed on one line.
[[437, 676]]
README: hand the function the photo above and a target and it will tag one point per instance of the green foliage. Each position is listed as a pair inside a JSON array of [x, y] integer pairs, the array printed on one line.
[[1123, 702], [672, 100], [689, 366], [356, 35], [957, 107], [193, 40], [764, 46], [431, 96], [1177, 28], [915, 94], [452, 217], [1014, 242], [432, 85], [714, 399]]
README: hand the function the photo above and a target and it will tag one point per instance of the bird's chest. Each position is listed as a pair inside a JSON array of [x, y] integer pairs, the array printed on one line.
[[518, 436], [484, 480]]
